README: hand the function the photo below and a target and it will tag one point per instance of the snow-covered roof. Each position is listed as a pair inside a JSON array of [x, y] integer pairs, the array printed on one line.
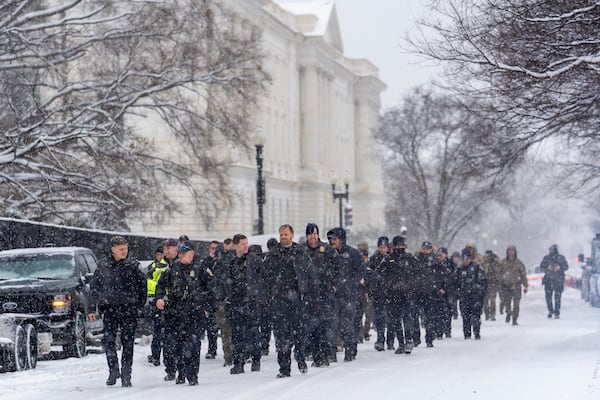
[[316, 18], [321, 9]]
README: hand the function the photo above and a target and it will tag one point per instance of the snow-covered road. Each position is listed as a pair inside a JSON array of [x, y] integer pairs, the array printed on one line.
[[539, 359]]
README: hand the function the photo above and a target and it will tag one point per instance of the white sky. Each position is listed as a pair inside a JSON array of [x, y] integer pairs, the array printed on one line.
[[373, 29]]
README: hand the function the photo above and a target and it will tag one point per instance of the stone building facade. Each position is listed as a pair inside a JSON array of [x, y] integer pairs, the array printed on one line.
[[318, 119]]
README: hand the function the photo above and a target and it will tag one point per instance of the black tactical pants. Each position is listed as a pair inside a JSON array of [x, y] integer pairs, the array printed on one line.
[[121, 318], [470, 309], [553, 289], [182, 342], [401, 322], [289, 332], [244, 320]]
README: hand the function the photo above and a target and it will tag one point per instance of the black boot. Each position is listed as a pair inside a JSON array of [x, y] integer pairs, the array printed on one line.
[[180, 379], [170, 376], [302, 367], [237, 369], [126, 381], [348, 354], [333, 355], [112, 377]]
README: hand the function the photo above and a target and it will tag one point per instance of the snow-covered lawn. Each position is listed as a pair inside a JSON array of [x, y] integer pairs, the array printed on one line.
[[539, 359]]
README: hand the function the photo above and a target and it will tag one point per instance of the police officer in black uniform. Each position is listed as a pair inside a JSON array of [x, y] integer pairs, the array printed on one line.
[[243, 290], [288, 269], [472, 284], [118, 292], [397, 273], [426, 289], [184, 291], [321, 315], [450, 291], [349, 283], [376, 290], [211, 322]]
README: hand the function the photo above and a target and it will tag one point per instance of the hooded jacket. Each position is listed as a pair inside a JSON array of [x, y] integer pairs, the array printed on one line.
[[513, 273], [491, 266]]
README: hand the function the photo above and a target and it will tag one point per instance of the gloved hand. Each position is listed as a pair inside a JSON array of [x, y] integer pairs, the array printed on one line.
[[525, 289]]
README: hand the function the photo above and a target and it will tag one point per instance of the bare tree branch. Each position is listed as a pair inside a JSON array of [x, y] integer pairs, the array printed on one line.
[[75, 77], [433, 178]]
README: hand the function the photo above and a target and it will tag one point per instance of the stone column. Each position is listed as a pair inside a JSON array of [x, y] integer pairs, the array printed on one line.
[[310, 118]]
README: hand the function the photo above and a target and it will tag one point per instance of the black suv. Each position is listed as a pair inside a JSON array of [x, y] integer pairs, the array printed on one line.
[[51, 285]]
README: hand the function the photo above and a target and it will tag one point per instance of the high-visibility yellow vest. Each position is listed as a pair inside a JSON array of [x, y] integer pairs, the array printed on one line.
[[158, 270]]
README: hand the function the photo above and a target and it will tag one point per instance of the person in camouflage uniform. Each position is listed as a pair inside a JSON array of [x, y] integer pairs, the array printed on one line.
[[513, 277], [491, 267]]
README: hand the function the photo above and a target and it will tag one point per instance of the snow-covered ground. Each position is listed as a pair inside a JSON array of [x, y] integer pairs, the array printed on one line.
[[539, 359]]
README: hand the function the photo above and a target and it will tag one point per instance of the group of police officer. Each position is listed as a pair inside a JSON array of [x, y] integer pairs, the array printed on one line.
[[311, 295]]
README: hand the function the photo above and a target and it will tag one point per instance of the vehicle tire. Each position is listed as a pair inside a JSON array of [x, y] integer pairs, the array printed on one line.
[[77, 348], [17, 355], [32, 346]]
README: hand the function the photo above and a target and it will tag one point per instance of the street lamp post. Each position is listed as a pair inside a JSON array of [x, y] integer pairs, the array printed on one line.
[[340, 196], [260, 184]]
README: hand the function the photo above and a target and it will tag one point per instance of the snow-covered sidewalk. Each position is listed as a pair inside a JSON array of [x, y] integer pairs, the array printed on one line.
[[539, 359]]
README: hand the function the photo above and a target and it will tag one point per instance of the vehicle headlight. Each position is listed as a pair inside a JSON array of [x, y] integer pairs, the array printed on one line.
[[61, 303]]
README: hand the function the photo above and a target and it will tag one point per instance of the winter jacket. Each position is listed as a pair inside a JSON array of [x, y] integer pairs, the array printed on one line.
[[219, 266], [443, 280], [554, 267], [325, 268], [155, 270], [117, 283], [288, 271], [491, 267], [189, 289], [374, 269], [397, 272], [471, 281], [245, 280], [513, 273], [352, 270], [425, 279], [450, 267]]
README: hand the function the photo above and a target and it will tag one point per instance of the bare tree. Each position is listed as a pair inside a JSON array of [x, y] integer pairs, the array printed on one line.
[[533, 64], [75, 74], [434, 183]]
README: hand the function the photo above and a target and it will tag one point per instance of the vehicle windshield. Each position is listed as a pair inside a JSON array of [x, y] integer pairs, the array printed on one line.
[[39, 265]]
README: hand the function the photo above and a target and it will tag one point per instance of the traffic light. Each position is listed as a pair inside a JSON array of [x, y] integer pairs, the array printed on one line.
[[347, 215]]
